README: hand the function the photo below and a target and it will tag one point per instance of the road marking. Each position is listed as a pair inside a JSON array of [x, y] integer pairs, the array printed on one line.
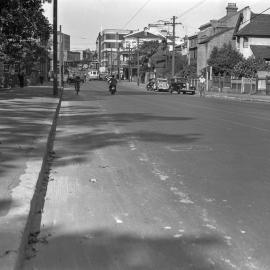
[[118, 220], [179, 148], [178, 235], [162, 176], [132, 146]]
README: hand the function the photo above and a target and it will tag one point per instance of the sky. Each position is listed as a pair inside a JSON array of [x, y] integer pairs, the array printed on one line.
[[84, 19]]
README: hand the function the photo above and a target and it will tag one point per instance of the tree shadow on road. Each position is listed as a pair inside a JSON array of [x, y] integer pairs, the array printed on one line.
[[76, 148], [84, 126], [106, 249]]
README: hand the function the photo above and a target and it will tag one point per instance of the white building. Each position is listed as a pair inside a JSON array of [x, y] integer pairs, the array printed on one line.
[[252, 35], [109, 48]]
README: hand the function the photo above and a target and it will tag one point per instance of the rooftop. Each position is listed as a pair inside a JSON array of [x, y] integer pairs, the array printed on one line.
[[258, 26], [144, 34]]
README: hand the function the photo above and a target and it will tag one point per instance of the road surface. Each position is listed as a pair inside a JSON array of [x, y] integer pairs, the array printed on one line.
[[145, 180]]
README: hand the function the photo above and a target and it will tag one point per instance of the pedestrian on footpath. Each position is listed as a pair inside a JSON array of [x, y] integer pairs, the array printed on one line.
[[41, 79], [202, 85], [21, 79]]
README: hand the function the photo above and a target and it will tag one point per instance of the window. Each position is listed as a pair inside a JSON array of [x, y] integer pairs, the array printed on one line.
[[245, 42], [109, 45], [238, 42], [121, 36], [110, 36]]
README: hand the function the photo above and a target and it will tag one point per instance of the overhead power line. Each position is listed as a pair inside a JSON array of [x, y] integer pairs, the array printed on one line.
[[193, 7], [252, 18], [137, 12]]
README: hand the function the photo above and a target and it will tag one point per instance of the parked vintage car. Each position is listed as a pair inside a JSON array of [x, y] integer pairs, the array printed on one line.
[[162, 84], [181, 85]]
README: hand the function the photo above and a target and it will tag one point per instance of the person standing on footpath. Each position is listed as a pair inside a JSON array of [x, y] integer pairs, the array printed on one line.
[[202, 85], [21, 79], [41, 78]]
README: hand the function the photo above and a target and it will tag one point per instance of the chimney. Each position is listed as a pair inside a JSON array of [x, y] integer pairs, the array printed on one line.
[[231, 9], [145, 31]]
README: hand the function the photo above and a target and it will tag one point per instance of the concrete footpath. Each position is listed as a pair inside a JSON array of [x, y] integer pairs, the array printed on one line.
[[27, 126], [221, 95]]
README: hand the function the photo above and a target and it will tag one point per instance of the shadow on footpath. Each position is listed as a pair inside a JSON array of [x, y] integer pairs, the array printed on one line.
[[26, 115], [105, 249], [4, 204]]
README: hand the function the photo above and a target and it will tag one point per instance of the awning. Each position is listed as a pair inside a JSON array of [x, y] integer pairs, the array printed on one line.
[[261, 51]]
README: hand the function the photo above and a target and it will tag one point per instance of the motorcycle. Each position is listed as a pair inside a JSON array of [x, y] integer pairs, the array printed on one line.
[[150, 86], [112, 89]]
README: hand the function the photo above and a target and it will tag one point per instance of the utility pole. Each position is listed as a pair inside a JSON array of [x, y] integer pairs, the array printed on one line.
[[138, 63], [173, 52], [55, 83], [173, 23], [118, 56], [61, 58], [111, 61], [129, 64]]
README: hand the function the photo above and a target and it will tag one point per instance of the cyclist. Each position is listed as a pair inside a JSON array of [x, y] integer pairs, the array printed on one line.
[[112, 82], [77, 83]]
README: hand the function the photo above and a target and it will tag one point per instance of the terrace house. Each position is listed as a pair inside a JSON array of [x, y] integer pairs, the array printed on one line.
[[216, 33], [252, 35]]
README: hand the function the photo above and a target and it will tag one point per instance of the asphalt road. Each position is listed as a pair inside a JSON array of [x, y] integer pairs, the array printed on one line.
[[157, 181]]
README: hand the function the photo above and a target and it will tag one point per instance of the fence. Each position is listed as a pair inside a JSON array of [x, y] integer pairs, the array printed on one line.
[[233, 85], [240, 85], [227, 84]]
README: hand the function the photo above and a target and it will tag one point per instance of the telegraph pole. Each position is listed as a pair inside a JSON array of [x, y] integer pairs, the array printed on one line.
[[61, 59], [129, 64], [111, 61], [173, 23], [118, 57], [138, 63], [173, 52], [55, 83]]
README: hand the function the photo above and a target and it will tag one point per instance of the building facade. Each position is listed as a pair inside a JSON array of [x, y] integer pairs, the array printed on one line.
[[157, 62], [109, 47], [252, 35], [216, 33]]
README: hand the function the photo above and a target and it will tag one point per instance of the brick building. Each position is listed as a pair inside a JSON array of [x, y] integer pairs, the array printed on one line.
[[216, 33]]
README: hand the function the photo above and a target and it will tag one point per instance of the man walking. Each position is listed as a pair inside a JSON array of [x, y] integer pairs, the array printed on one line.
[[202, 85]]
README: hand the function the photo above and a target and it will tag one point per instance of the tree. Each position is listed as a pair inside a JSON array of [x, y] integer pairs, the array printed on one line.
[[249, 67], [224, 59], [189, 70], [146, 51], [25, 29]]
